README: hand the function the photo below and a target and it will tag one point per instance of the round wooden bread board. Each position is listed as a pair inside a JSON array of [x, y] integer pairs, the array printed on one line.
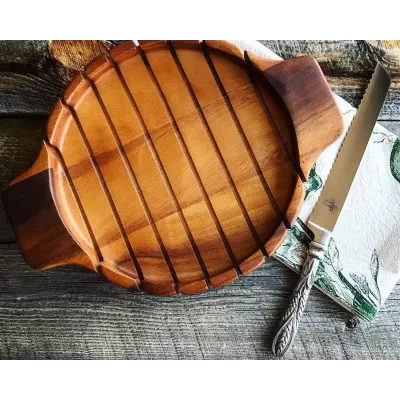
[[177, 166]]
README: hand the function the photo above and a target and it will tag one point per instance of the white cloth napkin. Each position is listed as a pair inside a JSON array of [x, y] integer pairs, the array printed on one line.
[[362, 263]]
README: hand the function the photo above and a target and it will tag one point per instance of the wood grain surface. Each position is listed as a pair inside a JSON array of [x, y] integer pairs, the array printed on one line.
[[73, 313]]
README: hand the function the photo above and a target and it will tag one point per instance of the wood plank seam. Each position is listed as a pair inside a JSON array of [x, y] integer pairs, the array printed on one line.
[[242, 135], [104, 186]]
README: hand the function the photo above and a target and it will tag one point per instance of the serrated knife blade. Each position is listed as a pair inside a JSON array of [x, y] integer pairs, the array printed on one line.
[[331, 201], [340, 179]]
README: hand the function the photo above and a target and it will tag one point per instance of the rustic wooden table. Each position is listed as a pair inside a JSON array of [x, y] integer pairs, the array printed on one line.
[[69, 312]]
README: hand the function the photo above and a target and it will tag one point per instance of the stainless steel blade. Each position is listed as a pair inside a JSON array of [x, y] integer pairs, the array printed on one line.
[[333, 195]]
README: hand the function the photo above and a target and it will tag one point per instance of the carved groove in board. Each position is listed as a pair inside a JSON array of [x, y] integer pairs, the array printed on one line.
[[164, 176], [243, 136], [139, 192], [61, 162], [132, 175], [104, 186], [214, 145], [193, 168], [165, 104], [218, 152], [251, 72]]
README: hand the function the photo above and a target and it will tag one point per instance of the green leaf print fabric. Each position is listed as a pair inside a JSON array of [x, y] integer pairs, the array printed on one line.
[[362, 263]]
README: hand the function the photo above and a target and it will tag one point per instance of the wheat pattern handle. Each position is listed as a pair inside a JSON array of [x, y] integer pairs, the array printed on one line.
[[289, 323]]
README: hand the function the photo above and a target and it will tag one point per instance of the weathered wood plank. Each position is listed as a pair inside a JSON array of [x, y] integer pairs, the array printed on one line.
[[20, 142], [33, 74], [30, 80], [73, 313], [343, 58]]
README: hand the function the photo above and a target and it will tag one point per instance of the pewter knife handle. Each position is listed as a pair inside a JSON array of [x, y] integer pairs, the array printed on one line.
[[289, 323]]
